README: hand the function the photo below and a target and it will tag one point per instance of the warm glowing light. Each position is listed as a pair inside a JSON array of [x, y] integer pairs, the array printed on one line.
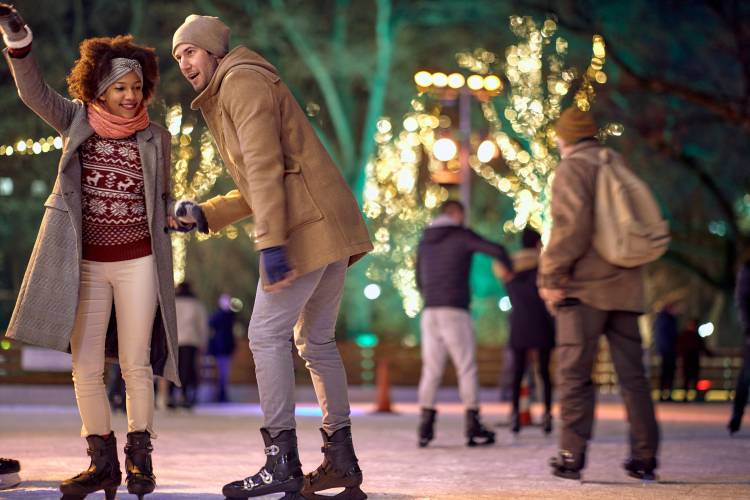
[[444, 149], [439, 79], [475, 82], [456, 80], [486, 151], [492, 83], [423, 79]]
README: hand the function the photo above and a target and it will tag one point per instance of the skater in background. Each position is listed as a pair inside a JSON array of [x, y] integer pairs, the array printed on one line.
[[591, 297], [10, 476], [666, 333], [102, 241], [532, 329], [221, 345], [308, 231], [443, 265], [690, 346], [742, 296], [192, 335]]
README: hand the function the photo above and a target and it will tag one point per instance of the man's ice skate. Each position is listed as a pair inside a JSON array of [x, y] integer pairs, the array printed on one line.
[[103, 472], [567, 464], [281, 474], [340, 469], [476, 433], [427, 427], [9, 473], [641, 469]]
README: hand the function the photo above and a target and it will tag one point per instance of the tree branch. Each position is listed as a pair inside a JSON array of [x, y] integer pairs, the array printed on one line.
[[313, 61], [378, 89]]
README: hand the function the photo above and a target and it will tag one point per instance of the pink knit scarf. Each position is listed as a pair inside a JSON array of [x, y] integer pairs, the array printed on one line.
[[111, 126]]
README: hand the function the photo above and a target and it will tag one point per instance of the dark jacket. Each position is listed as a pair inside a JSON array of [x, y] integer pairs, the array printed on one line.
[[222, 338], [742, 294], [444, 262], [666, 333], [531, 325]]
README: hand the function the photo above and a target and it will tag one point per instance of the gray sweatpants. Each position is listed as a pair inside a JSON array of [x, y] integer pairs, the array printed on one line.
[[305, 311], [448, 331]]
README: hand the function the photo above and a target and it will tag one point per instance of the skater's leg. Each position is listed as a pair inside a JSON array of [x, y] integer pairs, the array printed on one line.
[[87, 348], [578, 330], [741, 392], [434, 355], [458, 334], [135, 294], [519, 368], [270, 334], [315, 339], [627, 357], [544, 373]]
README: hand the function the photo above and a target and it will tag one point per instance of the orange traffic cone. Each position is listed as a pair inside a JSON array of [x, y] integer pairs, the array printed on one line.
[[383, 387]]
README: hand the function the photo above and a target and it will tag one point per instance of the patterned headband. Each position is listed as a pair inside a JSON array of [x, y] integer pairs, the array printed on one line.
[[120, 67]]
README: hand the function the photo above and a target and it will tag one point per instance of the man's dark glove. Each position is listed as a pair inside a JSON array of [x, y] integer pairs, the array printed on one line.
[[275, 263], [188, 212], [15, 33]]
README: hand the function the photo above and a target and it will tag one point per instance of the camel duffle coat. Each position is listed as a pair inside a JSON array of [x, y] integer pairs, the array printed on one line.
[[45, 310]]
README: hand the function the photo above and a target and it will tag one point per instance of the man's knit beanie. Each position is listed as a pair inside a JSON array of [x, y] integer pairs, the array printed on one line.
[[574, 125], [206, 32]]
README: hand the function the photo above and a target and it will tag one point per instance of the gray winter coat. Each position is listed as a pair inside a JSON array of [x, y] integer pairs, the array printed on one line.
[[46, 306]]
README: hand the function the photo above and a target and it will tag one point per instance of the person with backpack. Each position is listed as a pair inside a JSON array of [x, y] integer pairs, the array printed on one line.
[[742, 295], [590, 296]]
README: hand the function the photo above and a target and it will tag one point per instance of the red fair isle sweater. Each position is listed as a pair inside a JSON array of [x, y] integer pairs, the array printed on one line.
[[115, 223]]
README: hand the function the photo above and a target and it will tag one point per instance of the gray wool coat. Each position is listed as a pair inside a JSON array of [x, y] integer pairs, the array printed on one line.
[[45, 310]]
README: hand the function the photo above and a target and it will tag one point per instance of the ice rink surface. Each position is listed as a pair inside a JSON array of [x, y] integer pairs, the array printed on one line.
[[198, 451]]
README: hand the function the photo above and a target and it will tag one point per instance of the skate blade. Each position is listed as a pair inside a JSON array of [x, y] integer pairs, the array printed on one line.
[[473, 442], [10, 480], [351, 493], [645, 478], [568, 475]]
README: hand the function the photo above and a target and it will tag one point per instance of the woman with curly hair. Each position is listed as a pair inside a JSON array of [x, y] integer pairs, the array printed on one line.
[[103, 240]]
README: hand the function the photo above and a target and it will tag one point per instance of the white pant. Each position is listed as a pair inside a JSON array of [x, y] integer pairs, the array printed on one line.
[[448, 331], [132, 284]]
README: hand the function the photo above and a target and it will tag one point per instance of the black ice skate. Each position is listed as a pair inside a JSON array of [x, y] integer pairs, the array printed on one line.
[[567, 464], [282, 472], [140, 472], [9, 473], [476, 433], [340, 469], [427, 427], [641, 469], [103, 472]]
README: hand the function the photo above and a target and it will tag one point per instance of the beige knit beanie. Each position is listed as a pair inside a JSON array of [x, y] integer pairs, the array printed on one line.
[[574, 125], [206, 32]]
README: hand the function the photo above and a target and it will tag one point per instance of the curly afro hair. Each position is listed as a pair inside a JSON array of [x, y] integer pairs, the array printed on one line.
[[95, 64]]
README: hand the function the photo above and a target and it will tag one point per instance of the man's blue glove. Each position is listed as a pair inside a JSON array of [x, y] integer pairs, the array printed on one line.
[[189, 214], [275, 263]]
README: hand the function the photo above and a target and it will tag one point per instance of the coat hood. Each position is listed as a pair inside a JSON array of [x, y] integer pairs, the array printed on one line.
[[238, 57], [440, 227]]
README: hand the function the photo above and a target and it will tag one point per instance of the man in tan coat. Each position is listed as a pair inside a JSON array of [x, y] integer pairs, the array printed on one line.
[[308, 229], [591, 297]]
